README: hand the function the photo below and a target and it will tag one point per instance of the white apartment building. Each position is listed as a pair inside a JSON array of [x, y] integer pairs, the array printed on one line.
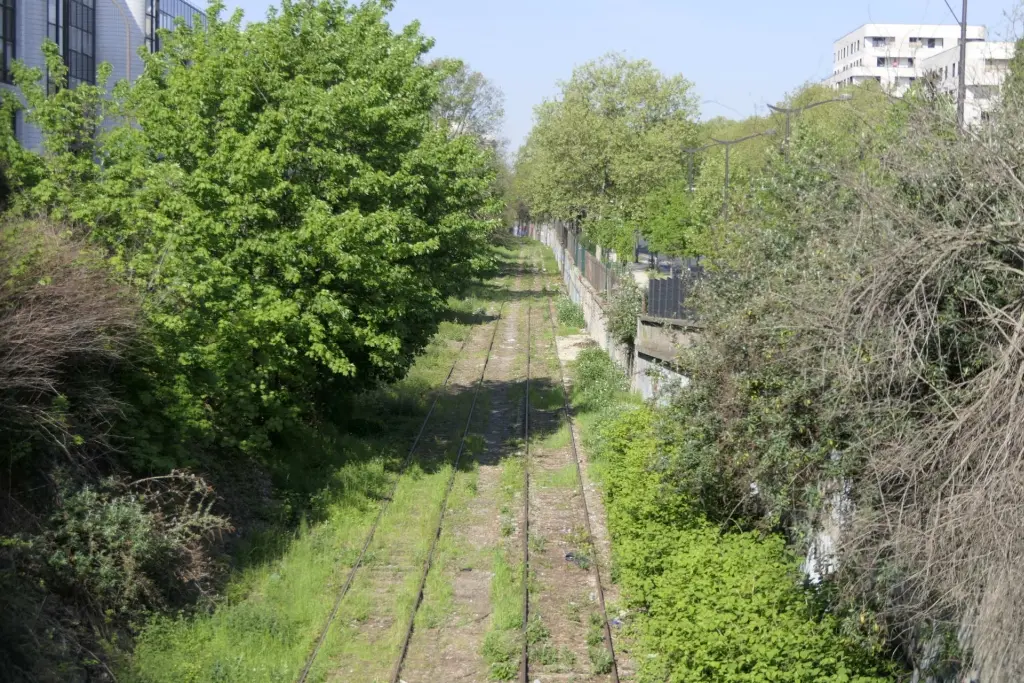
[[892, 54], [987, 66], [88, 32]]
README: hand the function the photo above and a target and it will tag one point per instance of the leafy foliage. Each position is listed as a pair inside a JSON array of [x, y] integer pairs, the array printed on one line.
[[468, 103], [594, 152], [712, 606], [296, 248], [570, 313], [624, 306]]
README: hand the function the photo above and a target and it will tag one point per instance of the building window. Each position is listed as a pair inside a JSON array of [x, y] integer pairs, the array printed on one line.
[[954, 69], [7, 32], [935, 42], [72, 25], [80, 33], [880, 61], [162, 14], [7, 38], [910, 61]]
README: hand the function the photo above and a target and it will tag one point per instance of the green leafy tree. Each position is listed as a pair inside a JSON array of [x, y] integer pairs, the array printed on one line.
[[284, 197], [596, 151], [468, 103]]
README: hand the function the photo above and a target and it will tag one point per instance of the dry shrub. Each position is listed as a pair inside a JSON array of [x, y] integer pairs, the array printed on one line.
[[86, 548], [64, 325], [928, 351]]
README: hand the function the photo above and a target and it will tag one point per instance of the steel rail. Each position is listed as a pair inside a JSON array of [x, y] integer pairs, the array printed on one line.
[[396, 671], [376, 523], [596, 564], [524, 664]]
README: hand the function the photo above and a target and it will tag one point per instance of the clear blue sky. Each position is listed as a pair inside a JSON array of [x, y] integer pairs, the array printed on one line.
[[740, 54]]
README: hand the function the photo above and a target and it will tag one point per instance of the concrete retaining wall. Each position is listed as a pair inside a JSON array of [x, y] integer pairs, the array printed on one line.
[[648, 376]]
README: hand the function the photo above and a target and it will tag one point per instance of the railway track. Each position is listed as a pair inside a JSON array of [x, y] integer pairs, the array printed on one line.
[[407, 633], [396, 671], [595, 565], [350, 578], [524, 667], [524, 664]]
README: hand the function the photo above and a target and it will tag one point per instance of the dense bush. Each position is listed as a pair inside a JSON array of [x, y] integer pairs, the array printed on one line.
[[710, 606], [625, 304], [859, 338], [296, 216]]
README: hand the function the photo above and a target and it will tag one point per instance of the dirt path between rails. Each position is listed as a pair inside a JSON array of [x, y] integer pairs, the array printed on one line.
[[451, 649], [484, 520]]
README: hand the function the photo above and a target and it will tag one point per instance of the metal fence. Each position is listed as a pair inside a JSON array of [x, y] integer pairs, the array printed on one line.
[[667, 293], [604, 277]]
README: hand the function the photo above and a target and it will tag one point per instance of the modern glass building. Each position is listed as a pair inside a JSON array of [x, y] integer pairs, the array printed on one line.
[[88, 33]]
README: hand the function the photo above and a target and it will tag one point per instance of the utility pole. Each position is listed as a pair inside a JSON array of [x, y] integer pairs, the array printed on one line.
[[961, 95], [728, 146]]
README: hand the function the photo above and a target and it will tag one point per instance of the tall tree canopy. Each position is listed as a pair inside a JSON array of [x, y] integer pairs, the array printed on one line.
[[468, 102], [286, 197], [614, 132]]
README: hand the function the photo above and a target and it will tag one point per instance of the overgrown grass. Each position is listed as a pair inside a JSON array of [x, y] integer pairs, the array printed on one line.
[[453, 553], [278, 601], [570, 316], [545, 397], [597, 650], [278, 607], [599, 395], [511, 476], [549, 265], [503, 642], [562, 478], [556, 439]]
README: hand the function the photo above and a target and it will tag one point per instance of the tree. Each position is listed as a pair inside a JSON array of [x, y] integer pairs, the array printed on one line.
[[468, 103], [597, 150], [285, 202]]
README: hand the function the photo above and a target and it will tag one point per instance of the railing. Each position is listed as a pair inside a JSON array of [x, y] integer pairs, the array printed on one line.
[[666, 296], [604, 277]]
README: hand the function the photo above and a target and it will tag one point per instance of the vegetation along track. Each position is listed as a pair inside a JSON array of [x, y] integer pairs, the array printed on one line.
[[396, 671], [380, 515], [595, 565]]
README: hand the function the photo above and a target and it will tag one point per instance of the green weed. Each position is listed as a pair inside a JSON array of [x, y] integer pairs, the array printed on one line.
[[560, 438], [503, 644], [562, 478], [570, 314]]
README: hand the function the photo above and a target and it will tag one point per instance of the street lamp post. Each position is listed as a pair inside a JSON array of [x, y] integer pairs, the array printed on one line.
[[728, 146], [845, 97]]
